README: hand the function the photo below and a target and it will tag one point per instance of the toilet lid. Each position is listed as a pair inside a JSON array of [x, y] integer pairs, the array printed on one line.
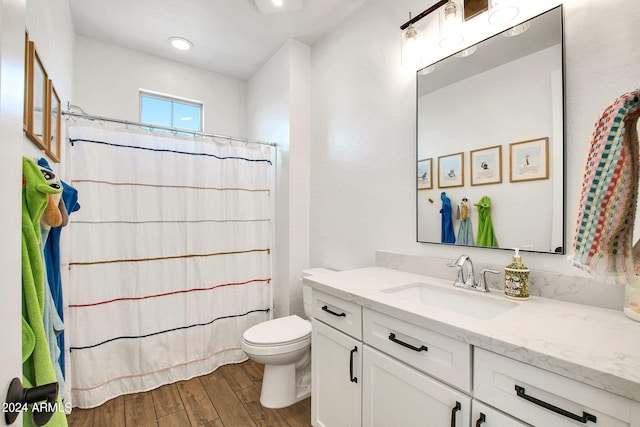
[[278, 331]]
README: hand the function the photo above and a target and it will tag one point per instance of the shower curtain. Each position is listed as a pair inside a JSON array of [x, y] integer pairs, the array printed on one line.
[[170, 257]]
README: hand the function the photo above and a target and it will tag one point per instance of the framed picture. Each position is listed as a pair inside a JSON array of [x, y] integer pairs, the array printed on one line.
[[425, 174], [25, 120], [37, 98], [451, 170], [529, 160], [486, 165], [53, 123]]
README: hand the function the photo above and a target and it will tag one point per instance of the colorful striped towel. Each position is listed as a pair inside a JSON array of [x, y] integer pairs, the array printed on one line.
[[603, 242]]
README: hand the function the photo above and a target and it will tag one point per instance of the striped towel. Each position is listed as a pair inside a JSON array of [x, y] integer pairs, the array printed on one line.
[[604, 231]]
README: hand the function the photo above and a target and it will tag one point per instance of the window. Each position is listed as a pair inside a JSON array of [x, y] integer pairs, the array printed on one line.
[[172, 112]]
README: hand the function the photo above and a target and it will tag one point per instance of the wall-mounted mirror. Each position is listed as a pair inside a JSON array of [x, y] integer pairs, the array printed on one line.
[[490, 128]]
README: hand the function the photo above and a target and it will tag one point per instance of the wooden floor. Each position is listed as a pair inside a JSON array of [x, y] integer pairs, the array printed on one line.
[[229, 397]]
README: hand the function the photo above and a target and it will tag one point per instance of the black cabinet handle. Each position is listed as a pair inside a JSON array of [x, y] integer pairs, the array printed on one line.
[[351, 377], [583, 419], [481, 419], [325, 308], [455, 409], [392, 337]]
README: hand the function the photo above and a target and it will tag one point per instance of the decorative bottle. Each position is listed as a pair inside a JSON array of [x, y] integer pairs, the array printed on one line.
[[516, 279]]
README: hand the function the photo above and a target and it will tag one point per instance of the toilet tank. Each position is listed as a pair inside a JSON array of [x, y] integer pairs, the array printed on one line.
[[306, 289]]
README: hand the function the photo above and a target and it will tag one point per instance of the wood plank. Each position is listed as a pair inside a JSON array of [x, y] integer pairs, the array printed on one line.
[[177, 419], [80, 417], [166, 400], [139, 411], [254, 370], [236, 377], [262, 416], [110, 413], [231, 411], [196, 402], [215, 423], [306, 403], [296, 415]]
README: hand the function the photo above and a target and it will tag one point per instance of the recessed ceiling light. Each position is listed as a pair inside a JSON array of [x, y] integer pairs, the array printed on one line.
[[278, 6], [277, 3], [180, 43]]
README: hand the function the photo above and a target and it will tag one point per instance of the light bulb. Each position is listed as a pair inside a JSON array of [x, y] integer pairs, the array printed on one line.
[[501, 12]]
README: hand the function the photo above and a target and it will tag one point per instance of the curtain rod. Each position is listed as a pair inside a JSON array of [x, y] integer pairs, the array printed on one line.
[[160, 127]]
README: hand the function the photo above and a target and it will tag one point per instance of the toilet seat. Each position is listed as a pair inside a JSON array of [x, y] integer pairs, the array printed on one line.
[[284, 331]]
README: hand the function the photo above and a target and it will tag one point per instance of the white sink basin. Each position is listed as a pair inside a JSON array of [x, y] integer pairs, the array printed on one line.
[[463, 301]]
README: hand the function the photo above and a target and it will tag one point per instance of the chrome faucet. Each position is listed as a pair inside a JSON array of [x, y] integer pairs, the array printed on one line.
[[461, 280], [469, 281]]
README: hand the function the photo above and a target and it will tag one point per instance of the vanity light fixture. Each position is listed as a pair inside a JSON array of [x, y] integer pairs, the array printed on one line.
[[451, 26], [502, 11], [180, 43], [411, 47]]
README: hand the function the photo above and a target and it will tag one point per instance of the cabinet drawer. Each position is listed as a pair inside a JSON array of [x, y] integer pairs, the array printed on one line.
[[545, 398], [342, 315], [435, 354]]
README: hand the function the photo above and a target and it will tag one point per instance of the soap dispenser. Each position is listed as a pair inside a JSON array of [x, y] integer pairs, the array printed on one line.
[[516, 279]]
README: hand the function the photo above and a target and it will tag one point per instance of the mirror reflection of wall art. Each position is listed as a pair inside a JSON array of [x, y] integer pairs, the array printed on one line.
[[451, 170], [425, 174], [486, 165], [529, 160], [37, 90]]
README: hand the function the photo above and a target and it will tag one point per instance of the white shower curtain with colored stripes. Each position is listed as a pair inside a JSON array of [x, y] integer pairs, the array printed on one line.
[[170, 257]]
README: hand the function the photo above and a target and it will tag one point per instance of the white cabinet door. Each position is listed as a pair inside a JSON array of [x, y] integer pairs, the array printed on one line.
[[336, 380], [485, 416], [397, 395]]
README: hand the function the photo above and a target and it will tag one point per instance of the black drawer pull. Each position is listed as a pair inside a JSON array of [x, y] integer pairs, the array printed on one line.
[[455, 409], [583, 419], [325, 308], [351, 377], [481, 419], [392, 337]]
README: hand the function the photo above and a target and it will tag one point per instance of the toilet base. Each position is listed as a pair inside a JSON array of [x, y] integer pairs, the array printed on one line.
[[280, 387]]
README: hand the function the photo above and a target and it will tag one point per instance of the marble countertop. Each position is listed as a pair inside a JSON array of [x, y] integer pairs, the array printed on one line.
[[593, 345]]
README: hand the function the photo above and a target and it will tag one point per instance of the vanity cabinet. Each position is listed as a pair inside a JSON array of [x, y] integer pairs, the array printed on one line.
[[336, 362], [370, 368], [543, 398]]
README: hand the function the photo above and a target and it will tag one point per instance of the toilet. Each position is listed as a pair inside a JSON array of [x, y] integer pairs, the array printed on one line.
[[284, 346]]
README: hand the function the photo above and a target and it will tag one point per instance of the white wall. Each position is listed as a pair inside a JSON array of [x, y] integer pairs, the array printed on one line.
[[363, 141], [50, 26], [109, 77], [11, 96], [278, 111]]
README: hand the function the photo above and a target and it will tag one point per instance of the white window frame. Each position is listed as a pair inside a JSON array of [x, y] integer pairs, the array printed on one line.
[[173, 99]]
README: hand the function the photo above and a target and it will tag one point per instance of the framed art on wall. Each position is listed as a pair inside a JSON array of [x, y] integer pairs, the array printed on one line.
[[53, 123], [451, 170], [529, 160], [486, 165], [36, 98], [425, 174]]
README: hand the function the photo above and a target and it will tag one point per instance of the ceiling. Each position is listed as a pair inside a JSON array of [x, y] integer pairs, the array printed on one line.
[[231, 37]]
